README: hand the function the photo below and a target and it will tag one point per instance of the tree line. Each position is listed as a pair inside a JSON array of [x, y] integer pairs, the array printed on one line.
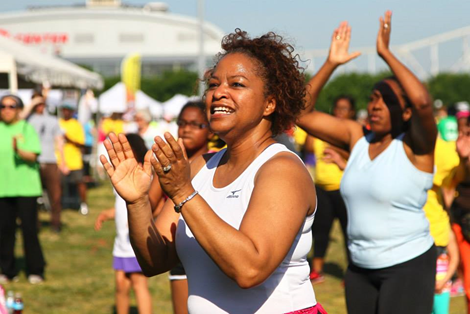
[[448, 87]]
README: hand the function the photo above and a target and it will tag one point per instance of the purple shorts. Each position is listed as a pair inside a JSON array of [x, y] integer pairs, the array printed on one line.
[[126, 264]]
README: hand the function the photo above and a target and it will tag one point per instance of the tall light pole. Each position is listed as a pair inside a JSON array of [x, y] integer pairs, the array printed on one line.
[[201, 58]]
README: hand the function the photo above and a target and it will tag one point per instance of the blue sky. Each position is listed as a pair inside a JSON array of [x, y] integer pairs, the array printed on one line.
[[309, 23]]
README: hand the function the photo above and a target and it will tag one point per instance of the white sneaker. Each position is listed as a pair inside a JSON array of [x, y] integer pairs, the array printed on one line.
[[4, 279], [35, 279], [84, 209]]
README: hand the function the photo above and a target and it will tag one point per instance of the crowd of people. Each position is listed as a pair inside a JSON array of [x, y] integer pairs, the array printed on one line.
[[231, 213], [47, 164]]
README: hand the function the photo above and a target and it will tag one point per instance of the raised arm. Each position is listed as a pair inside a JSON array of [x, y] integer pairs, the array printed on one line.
[[251, 254], [337, 56], [423, 129], [318, 124]]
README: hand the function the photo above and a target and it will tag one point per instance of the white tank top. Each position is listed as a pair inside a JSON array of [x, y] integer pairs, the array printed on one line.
[[122, 243], [210, 290]]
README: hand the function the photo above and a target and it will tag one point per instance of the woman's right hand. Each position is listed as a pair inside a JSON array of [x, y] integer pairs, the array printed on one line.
[[340, 45], [131, 180]]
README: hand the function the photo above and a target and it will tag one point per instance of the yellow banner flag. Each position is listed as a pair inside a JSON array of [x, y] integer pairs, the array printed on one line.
[[130, 74]]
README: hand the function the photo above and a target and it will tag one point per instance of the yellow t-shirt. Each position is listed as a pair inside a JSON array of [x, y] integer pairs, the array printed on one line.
[[299, 137], [72, 154], [327, 176], [445, 160], [110, 125]]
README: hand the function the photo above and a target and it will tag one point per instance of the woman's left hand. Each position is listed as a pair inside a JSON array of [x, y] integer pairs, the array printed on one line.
[[383, 37], [172, 167]]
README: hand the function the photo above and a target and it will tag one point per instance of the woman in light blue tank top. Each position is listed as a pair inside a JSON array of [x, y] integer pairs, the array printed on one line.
[[384, 185]]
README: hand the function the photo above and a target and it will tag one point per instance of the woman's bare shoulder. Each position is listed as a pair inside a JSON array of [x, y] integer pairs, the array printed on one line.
[[199, 162]]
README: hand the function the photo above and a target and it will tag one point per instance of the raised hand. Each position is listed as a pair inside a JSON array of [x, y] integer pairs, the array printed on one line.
[[172, 167], [130, 179], [340, 45], [383, 37]]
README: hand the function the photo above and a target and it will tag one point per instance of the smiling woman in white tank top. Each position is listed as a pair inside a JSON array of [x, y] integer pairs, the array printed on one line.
[[242, 221]]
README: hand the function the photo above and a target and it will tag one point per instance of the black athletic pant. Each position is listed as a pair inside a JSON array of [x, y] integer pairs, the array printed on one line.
[[24, 208], [404, 288], [330, 206]]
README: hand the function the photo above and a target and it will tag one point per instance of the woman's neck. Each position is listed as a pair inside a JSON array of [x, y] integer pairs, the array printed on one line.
[[245, 150], [382, 138]]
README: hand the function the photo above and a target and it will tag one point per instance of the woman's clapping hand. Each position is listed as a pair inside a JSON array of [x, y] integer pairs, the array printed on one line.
[[172, 167], [130, 179]]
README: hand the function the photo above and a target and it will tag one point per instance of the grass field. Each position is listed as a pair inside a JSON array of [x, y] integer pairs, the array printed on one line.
[[80, 278]]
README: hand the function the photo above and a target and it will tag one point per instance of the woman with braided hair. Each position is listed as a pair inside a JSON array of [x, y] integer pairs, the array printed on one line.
[[242, 221]]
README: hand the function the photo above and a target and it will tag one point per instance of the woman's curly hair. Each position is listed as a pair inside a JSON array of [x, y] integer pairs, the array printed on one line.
[[280, 70]]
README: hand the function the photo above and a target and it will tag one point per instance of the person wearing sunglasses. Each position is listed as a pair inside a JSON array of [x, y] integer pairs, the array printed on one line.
[[20, 185]]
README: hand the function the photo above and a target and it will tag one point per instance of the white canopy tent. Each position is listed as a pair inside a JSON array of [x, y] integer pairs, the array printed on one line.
[[17, 59], [143, 101], [114, 100], [173, 106]]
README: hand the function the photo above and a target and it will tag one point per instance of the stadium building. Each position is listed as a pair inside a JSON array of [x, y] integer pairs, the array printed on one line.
[[100, 33]]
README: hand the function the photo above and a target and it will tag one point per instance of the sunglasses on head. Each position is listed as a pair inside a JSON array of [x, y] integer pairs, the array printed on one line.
[[9, 107]]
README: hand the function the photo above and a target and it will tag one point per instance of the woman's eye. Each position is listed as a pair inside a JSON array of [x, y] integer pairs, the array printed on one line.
[[236, 84], [212, 85]]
